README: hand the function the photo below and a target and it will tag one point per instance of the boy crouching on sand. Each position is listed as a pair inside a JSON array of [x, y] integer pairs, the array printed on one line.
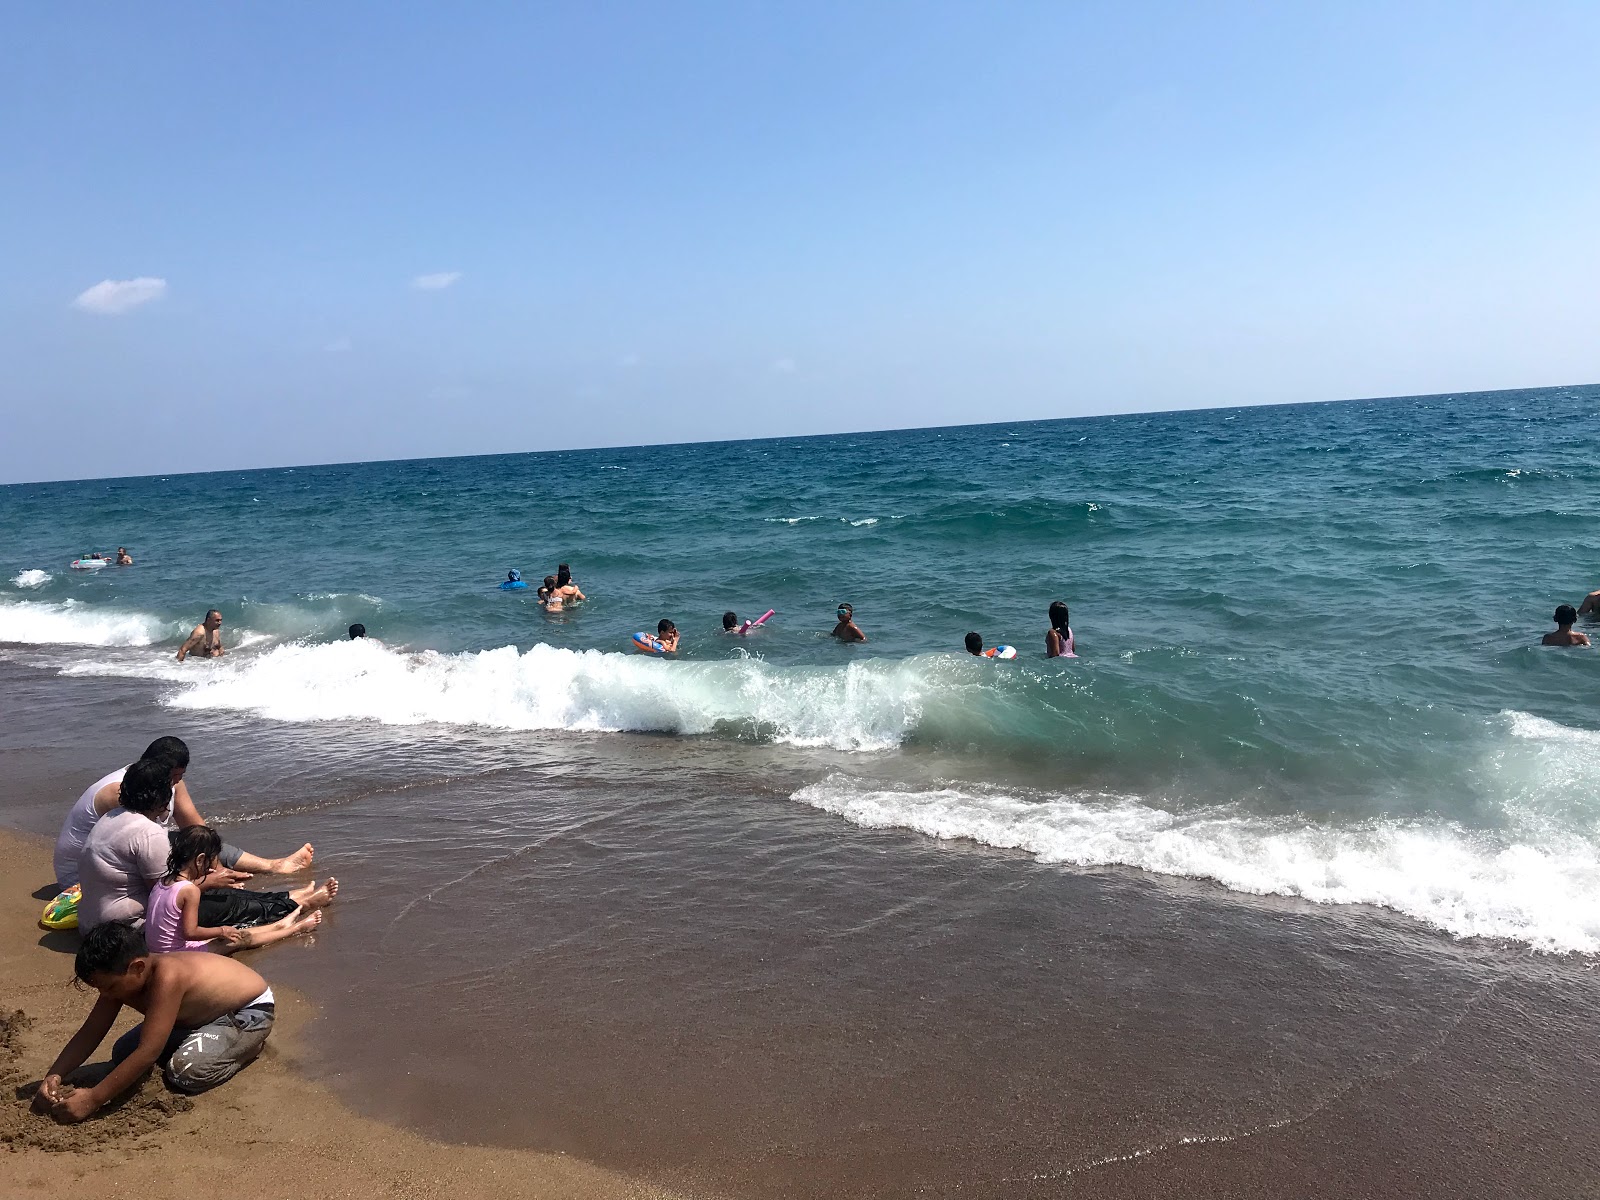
[[205, 1018]]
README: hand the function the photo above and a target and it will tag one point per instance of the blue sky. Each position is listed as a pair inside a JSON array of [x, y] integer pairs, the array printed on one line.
[[648, 222]]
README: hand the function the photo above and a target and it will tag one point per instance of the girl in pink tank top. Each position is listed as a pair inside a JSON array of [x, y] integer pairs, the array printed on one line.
[[172, 913]]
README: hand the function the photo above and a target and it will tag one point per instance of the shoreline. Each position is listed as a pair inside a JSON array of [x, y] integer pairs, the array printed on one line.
[[270, 1132]]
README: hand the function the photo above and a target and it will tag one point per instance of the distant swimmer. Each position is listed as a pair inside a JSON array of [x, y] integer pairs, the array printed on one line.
[[974, 642], [730, 622], [358, 630], [1058, 641], [124, 559], [1590, 606], [513, 581], [206, 639], [1565, 635], [566, 587], [847, 630]]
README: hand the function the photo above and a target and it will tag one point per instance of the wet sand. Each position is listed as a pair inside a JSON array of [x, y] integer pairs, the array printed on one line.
[[639, 953], [269, 1133]]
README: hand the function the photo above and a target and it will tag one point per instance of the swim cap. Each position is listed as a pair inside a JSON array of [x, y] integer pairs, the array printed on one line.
[[513, 575]]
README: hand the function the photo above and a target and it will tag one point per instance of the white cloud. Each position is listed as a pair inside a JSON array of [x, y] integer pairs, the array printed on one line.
[[436, 281], [785, 366], [338, 346], [112, 296]]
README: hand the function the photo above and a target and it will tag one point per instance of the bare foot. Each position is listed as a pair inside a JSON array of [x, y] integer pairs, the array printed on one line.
[[318, 897], [306, 921], [293, 864]]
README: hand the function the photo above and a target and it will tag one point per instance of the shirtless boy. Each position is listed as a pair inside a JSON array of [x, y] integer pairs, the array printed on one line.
[[206, 1017], [847, 630], [1565, 635], [206, 639]]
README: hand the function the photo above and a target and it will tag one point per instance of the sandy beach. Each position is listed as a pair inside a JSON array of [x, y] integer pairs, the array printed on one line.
[[270, 1133]]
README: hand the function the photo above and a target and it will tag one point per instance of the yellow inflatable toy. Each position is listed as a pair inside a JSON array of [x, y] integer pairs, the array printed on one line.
[[62, 912]]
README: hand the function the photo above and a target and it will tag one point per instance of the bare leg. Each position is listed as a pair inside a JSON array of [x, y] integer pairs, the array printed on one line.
[[312, 896], [299, 921], [289, 864]]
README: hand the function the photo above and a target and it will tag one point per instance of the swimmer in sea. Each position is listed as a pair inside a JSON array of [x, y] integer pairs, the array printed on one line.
[[667, 635], [124, 559], [1590, 607], [847, 630], [1058, 640], [730, 622], [1565, 635], [206, 639], [550, 595], [358, 630], [975, 643], [564, 585]]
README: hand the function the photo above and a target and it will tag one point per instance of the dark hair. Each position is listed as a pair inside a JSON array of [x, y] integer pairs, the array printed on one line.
[[188, 845], [563, 575], [108, 949], [209, 611], [1059, 617], [550, 581], [847, 607], [663, 625], [147, 786], [358, 630], [730, 619], [1566, 615], [974, 643], [170, 750]]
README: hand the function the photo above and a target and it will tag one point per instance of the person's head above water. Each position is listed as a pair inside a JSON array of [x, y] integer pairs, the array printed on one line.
[[730, 619], [563, 575], [358, 630], [665, 626], [513, 575], [1566, 615], [846, 611], [1059, 617], [974, 643], [213, 618]]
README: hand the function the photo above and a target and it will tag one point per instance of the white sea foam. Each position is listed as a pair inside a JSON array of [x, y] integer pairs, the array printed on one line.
[[1469, 884], [71, 623], [870, 705], [30, 579], [864, 521]]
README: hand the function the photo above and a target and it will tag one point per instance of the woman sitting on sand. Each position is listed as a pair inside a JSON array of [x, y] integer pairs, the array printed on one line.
[[127, 853], [172, 916]]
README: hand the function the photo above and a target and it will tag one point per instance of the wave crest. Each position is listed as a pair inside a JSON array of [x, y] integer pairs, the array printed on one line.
[[1469, 884], [70, 623]]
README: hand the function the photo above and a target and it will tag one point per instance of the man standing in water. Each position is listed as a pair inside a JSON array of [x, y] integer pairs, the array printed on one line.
[[1565, 635], [206, 640], [1590, 606]]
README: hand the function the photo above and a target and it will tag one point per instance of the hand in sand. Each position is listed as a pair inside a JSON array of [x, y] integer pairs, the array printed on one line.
[[74, 1107], [48, 1095]]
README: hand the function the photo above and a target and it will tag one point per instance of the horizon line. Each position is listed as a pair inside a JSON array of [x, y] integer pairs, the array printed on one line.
[[795, 437]]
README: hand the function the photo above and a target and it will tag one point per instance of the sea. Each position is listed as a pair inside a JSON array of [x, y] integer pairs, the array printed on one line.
[[1310, 711]]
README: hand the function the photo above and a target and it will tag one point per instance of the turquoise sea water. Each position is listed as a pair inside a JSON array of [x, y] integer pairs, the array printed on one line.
[[1309, 635]]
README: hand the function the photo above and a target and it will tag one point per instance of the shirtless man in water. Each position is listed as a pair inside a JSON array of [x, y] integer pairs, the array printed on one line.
[[1590, 606], [206, 640]]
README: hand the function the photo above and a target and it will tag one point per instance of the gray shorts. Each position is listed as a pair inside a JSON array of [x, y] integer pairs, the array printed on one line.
[[196, 1060]]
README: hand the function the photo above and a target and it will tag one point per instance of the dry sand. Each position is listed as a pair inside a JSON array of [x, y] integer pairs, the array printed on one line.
[[268, 1134]]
